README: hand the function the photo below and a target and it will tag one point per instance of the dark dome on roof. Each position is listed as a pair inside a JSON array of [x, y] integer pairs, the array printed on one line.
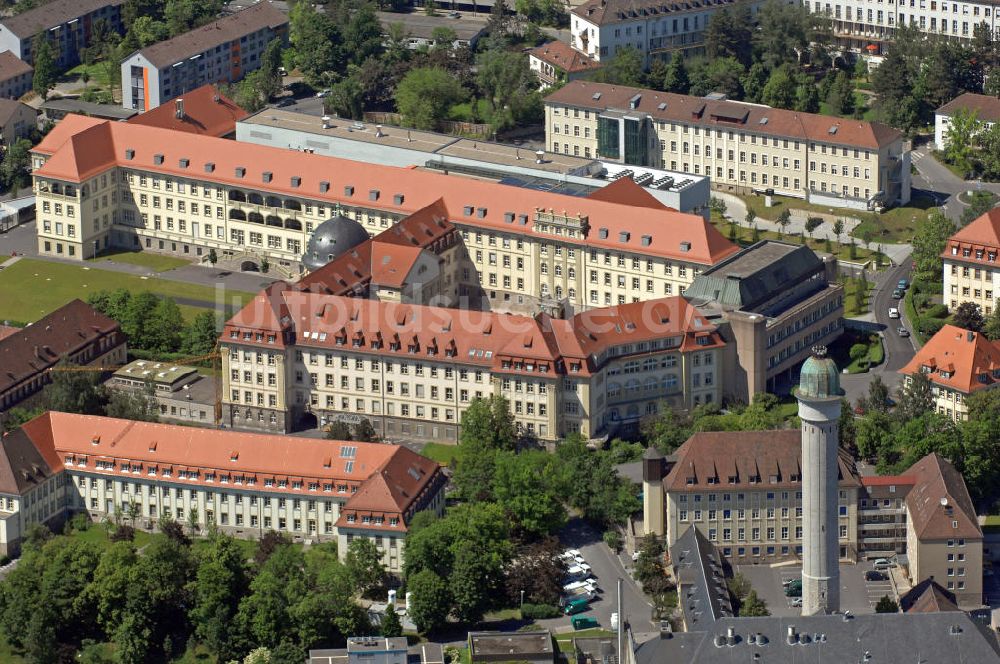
[[332, 238]]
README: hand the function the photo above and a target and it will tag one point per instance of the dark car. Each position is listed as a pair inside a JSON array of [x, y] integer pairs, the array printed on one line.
[[287, 101], [873, 575], [897, 294]]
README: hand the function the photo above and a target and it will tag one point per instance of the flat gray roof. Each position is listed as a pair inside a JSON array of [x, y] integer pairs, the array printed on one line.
[[511, 155], [753, 259], [419, 24], [511, 643], [111, 111]]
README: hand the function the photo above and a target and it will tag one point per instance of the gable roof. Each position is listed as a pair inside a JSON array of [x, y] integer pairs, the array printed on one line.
[[12, 66], [987, 108], [37, 347], [981, 235], [206, 111], [22, 465], [928, 597], [258, 457], [726, 115], [563, 56], [392, 489], [627, 192], [939, 506], [28, 24], [959, 359], [774, 458], [602, 12], [478, 203], [226, 29], [8, 107]]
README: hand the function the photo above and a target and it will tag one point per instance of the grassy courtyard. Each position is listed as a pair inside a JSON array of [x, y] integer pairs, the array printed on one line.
[[30, 289], [442, 452], [842, 251], [155, 262]]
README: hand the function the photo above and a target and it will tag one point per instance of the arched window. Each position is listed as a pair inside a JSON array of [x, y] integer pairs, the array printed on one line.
[[237, 195], [255, 198], [273, 201], [291, 204], [239, 215], [293, 224], [255, 218], [273, 220]]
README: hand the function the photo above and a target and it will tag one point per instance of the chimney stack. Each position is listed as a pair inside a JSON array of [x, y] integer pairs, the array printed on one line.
[[179, 108]]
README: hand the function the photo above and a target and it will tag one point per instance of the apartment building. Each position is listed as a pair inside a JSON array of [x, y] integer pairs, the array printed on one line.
[[17, 121], [15, 76], [773, 302], [743, 491], [985, 108], [656, 28], [970, 264], [119, 184], [743, 147], [958, 363], [245, 484], [181, 394], [74, 332], [306, 357], [223, 51], [869, 26], [557, 62], [69, 24], [944, 542], [882, 515]]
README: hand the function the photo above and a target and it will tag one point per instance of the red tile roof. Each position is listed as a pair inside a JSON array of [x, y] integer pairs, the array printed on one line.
[[987, 108], [191, 454], [763, 455], [63, 130], [207, 112], [564, 57], [727, 115], [939, 506], [982, 235], [887, 480], [673, 235], [7, 330], [505, 343], [601, 12], [60, 334], [970, 360], [626, 192]]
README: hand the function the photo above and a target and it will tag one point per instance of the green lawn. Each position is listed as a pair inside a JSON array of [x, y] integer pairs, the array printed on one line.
[[442, 453], [745, 236], [98, 74], [31, 288], [155, 262], [850, 308], [860, 101]]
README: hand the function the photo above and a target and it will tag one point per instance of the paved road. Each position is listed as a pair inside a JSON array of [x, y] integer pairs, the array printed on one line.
[[935, 178], [607, 567], [308, 105]]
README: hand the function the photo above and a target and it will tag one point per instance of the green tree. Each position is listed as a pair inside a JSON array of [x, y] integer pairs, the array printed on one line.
[[391, 626], [812, 223], [784, 218], [213, 257], [316, 43], [666, 430], [364, 564], [723, 75], [503, 76], [431, 601], [523, 485], [443, 36], [200, 336], [265, 614], [729, 34], [363, 34], [806, 98], [838, 229], [841, 96], [364, 431], [676, 78], [960, 139], [980, 440], [46, 69], [784, 31], [490, 422], [15, 173], [754, 82], [339, 430], [425, 94], [753, 605], [139, 405], [780, 89], [220, 582], [163, 327], [886, 605], [992, 327], [914, 398], [75, 391], [968, 316], [626, 68], [929, 242]]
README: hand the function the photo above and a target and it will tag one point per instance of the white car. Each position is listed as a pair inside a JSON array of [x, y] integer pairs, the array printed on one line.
[[796, 601], [893, 312]]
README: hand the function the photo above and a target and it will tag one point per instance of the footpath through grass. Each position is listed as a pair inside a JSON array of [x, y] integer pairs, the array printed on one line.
[[30, 289]]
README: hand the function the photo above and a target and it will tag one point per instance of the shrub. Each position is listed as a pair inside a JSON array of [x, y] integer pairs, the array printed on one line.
[[613, 540], [858, 351], [123, 533], [928, 327], [80, 522], [4, 561], [936, 311], [539, 611]]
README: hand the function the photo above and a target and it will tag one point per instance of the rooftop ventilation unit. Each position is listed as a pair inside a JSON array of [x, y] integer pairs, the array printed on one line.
[[662, 106], [633, 103], [832, 130], [597, 96]]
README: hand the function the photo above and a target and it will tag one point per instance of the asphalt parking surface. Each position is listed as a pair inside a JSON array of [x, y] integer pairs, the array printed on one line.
[[856, 594]]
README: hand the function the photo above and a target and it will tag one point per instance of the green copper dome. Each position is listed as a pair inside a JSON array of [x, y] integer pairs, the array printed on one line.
[[820, 378]]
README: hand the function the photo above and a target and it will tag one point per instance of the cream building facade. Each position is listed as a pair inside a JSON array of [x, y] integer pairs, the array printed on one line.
[[246, 485], [742, 147], [970, 272], [102, 184]]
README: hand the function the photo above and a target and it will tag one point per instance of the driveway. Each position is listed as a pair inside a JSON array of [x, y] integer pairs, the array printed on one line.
[[607, 568]]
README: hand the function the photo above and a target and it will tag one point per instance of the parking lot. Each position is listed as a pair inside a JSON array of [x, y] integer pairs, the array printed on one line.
[[856, 594]]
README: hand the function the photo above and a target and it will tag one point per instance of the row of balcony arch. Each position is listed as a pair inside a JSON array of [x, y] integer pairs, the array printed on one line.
[[269, 220], [253, 198]]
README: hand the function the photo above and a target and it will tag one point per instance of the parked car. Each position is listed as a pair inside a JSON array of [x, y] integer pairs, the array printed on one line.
[[883, 564], [323, 93], [903, 284], [873, 575], [902, 331], [794, 589], [897, 294], [584, 622], [893, 312], [576, 606], [287, 101], [796, 602]]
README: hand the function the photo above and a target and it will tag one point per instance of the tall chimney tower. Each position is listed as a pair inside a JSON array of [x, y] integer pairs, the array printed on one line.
[[653, 472], [819, 397]]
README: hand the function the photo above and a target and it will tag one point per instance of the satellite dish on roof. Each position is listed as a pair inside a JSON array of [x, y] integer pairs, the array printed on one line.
[[944, 501]]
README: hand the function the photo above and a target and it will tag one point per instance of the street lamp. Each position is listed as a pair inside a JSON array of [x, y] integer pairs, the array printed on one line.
[[522, 599]]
